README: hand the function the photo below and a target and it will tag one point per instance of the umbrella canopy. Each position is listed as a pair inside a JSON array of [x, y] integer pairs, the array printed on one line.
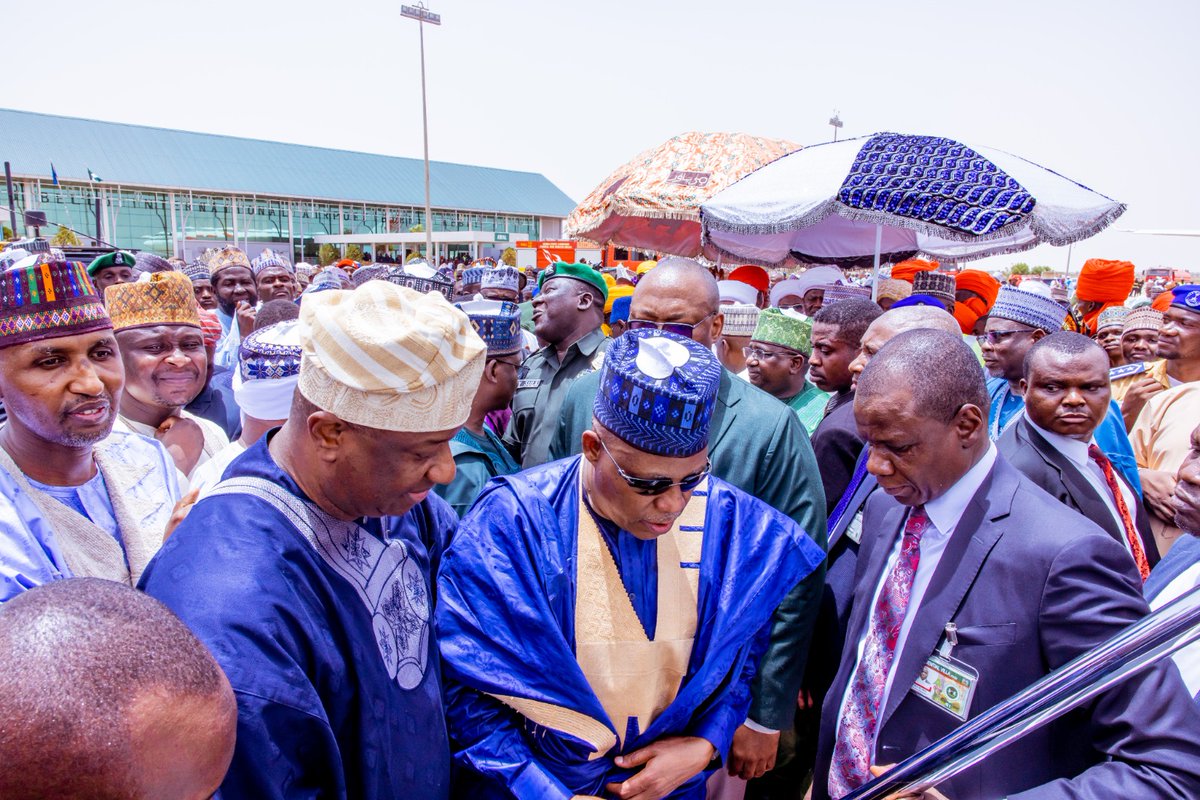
[[893, 196], [653, 202]]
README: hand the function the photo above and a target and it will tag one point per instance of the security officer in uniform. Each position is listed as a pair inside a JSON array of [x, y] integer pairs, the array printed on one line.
[[567, 314], [111, 269]]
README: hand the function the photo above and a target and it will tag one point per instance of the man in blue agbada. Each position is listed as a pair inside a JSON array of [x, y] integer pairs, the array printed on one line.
[[307, 570], [601, 617]]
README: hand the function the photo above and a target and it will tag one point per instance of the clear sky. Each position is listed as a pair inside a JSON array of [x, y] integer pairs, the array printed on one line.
[[1103, 92]]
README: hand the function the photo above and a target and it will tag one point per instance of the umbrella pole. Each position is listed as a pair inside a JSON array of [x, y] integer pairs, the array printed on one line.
[[875, 277]]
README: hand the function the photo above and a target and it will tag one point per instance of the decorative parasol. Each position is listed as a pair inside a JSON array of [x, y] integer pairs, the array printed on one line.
[[653, 202], [892, 196]]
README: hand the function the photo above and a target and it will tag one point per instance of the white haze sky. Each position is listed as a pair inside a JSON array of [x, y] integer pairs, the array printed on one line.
[[1103, 92]]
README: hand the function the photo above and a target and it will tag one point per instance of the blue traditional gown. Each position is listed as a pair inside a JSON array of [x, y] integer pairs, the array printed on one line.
[[525, 721], [325, 631]]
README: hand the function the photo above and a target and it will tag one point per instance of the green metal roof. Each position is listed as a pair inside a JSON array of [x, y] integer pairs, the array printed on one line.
[[137, 155]]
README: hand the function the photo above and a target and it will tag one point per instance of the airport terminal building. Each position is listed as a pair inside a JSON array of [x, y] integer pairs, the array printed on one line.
[[177, 193]]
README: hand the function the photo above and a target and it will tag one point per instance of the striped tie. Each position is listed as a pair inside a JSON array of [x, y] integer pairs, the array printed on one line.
[[860, 712], [1131, 532]]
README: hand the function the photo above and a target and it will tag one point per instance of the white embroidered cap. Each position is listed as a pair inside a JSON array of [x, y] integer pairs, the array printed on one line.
[[387, 357]]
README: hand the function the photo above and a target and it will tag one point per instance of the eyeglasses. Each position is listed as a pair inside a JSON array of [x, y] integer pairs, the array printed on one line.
[[759, 354], [996, 337], [514, 364], [678, 328], [656, 486]]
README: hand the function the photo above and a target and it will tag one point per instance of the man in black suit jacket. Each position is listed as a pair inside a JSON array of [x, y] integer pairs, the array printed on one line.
[[1066, 391], [965, 565]]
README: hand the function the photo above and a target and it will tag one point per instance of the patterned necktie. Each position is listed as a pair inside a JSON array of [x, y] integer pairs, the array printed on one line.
[[860, 712], [1131, 532]]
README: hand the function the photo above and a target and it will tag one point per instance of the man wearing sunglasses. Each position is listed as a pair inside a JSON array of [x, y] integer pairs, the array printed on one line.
[[567, 314], [601, 617], [758, 445], [479, 455]]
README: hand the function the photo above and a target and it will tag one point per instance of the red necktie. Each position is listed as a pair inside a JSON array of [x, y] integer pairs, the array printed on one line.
[[1131, 532], [860, 713]]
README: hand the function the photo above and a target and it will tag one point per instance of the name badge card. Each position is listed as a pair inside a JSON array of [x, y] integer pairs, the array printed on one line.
[[947, 682]]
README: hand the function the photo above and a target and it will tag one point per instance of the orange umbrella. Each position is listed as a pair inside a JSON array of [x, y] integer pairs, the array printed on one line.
[[653, 202]]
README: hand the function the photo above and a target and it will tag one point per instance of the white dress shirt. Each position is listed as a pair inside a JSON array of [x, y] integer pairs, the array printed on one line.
[[1076, 452], [944, 514]]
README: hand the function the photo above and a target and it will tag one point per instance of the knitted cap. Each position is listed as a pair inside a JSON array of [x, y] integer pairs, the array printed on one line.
[[1143, 319], [197, 272], [420, 277], [227, 257], [1029, 309], [837, 292], [893, 288], [390, 358], [48, 300], [268, 259], [657, 392], [149, 262], [939, 284], [501, 278], [1112, 317], [740, 319], [161, 298], [785, 328], [268, 370]]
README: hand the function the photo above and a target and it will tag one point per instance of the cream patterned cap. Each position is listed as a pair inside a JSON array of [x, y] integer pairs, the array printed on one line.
[[388, 357]]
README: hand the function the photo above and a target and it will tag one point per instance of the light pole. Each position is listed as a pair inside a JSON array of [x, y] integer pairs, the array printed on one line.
[[836, 123], [423, 15]]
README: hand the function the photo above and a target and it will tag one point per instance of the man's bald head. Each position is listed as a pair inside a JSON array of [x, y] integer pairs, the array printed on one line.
[[894, 322], [950, 376], [106, 694], [676, 274], [679, 290]]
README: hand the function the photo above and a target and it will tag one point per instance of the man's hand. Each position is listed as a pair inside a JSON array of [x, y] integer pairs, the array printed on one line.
[[184, 440], [1142, 390], [668, 763], [928, 794], [245, 318], [180, 512], [753, 753], [1158, 486]]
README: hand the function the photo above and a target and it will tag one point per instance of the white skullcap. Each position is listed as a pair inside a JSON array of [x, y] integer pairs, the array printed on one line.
[[740, 293]]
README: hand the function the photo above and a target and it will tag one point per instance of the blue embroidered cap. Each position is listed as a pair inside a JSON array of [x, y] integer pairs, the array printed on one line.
[[270, 353], [657, 392], [498, 323], [1027, 308], [473, 275], [1187, 296]]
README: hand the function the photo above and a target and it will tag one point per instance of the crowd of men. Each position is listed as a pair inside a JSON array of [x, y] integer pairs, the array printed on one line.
[[393, 530]]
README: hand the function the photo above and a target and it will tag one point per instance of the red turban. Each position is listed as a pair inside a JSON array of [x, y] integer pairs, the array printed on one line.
[[979, 282], [1163, 301], [752, 276], [1102, 281], [906, 269]]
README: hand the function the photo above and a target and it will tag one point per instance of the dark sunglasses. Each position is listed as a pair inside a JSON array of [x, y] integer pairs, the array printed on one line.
[[678, 328], [657, 486]]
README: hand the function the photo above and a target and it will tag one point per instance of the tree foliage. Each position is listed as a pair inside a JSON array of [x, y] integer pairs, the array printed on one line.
[[64, 238], [353, 252], [1019, 269], [509, 256], [327, 254]]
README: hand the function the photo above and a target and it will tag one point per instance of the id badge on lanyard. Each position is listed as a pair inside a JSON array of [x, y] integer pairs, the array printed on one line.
[[945, 681]]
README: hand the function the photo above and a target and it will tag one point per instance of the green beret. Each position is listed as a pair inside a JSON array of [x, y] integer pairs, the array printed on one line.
[[117, 258], [580, 272], [781, 328]]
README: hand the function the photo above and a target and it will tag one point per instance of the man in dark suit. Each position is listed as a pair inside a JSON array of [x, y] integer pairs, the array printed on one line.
[[836, 337], [1066, 392], [970, 572]]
